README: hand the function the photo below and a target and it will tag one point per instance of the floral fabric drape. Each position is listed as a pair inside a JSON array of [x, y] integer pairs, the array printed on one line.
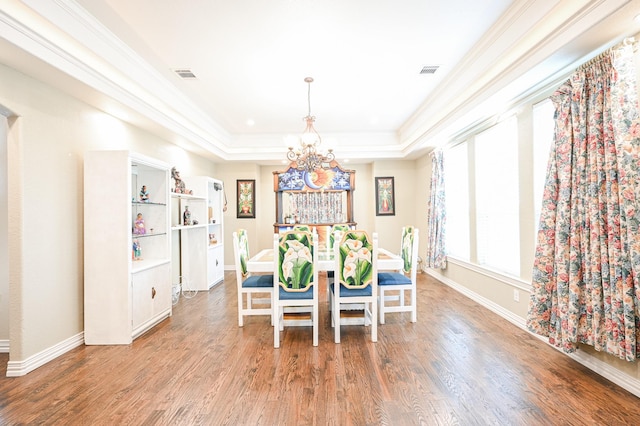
[[436, 254], [585, 286]]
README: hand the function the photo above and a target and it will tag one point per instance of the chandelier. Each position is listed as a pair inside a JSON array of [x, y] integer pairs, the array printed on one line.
[[308, 156]]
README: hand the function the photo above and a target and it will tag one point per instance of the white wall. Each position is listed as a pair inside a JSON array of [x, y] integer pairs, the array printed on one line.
[[409, 201], [4, 259], [229, 173], [261, 228], [45, 184]]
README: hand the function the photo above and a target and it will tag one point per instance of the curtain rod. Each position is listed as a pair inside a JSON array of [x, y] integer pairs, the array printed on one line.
[[629, 41]]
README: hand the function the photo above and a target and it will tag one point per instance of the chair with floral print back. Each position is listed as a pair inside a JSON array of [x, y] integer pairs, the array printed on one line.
[[356, 279], [339, 228], [296, 278], [303, 228], [334, 233], [250, 285], [397, 283]]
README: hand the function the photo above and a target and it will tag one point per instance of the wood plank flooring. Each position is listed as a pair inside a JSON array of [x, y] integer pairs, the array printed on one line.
[[459, 365]]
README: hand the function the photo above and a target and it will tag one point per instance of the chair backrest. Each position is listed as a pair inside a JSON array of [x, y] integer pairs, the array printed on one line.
[[241, 252], [335, 232], [302, 228], [406, 248], [295, 265], [355, 257]]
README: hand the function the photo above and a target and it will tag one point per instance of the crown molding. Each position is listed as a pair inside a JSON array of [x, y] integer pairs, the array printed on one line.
[[517, 55], [65, 36]]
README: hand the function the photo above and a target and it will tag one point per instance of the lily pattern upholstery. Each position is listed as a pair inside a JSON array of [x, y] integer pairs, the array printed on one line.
[[250, 285], [393, 285], [303, 228], [334, 232], [356, 279], [296, 273]]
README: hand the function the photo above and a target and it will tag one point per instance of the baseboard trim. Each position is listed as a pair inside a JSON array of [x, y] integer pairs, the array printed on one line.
[[605, 370], [20, 368], [4, 346]]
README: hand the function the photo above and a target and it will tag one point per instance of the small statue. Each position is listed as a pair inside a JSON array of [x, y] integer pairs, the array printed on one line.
[[180, 187], [144, 194], [137, 250], [138, 227], [186, 216]]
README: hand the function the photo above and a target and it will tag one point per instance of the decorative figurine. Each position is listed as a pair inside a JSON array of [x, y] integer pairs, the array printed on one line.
[[180, 187], [138, 227], [186, 216], [144, 194], [137, 250]]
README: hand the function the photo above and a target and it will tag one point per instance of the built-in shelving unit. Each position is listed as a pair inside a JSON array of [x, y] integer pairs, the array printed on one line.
[[127, 268], [198, 248]]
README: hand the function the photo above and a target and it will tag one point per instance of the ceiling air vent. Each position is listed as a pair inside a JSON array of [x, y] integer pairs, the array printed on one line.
[[429, 69], [185, 73]]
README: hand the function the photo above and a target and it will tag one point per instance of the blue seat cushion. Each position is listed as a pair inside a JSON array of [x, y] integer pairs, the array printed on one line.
[[353, 292], [296, 295], [393, 278], [258, 281]]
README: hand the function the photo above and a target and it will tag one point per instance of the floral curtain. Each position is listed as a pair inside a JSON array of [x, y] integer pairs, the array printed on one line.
[[436, 255], [585, 287]]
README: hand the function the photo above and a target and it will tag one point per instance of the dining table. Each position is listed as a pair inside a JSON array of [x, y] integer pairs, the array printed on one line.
[[263, 261]]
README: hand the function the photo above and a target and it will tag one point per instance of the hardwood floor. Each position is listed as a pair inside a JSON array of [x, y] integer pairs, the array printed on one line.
[[460, 364]]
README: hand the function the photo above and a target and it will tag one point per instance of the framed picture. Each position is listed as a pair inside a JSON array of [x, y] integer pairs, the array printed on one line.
[[246, 208], [385, 197]]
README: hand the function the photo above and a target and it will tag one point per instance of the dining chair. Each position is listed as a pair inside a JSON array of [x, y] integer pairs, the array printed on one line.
[[303, 228], [250, 285], [334, 233], [356, 279], [338, 227], [296, 271], [397, 283]]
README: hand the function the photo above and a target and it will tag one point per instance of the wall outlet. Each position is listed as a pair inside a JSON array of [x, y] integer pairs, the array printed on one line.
[[516, 295]]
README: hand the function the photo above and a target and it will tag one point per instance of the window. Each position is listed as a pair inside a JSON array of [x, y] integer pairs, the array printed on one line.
[[456, 172], [543, 134], [497, 197]]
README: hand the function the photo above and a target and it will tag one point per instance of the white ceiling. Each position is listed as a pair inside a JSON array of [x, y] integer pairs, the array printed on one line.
[[250, 58]]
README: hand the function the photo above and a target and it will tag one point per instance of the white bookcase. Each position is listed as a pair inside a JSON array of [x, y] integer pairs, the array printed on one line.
[[200, 246], [125, 293]]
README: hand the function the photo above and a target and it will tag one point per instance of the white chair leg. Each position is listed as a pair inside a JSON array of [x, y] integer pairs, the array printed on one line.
[[331, 309], [336, 320], [273, 319], [414, 313], [381, 296], [281, 318], [368, 315], [315, 325], [374, 322], [276, 328], [240, 315]]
